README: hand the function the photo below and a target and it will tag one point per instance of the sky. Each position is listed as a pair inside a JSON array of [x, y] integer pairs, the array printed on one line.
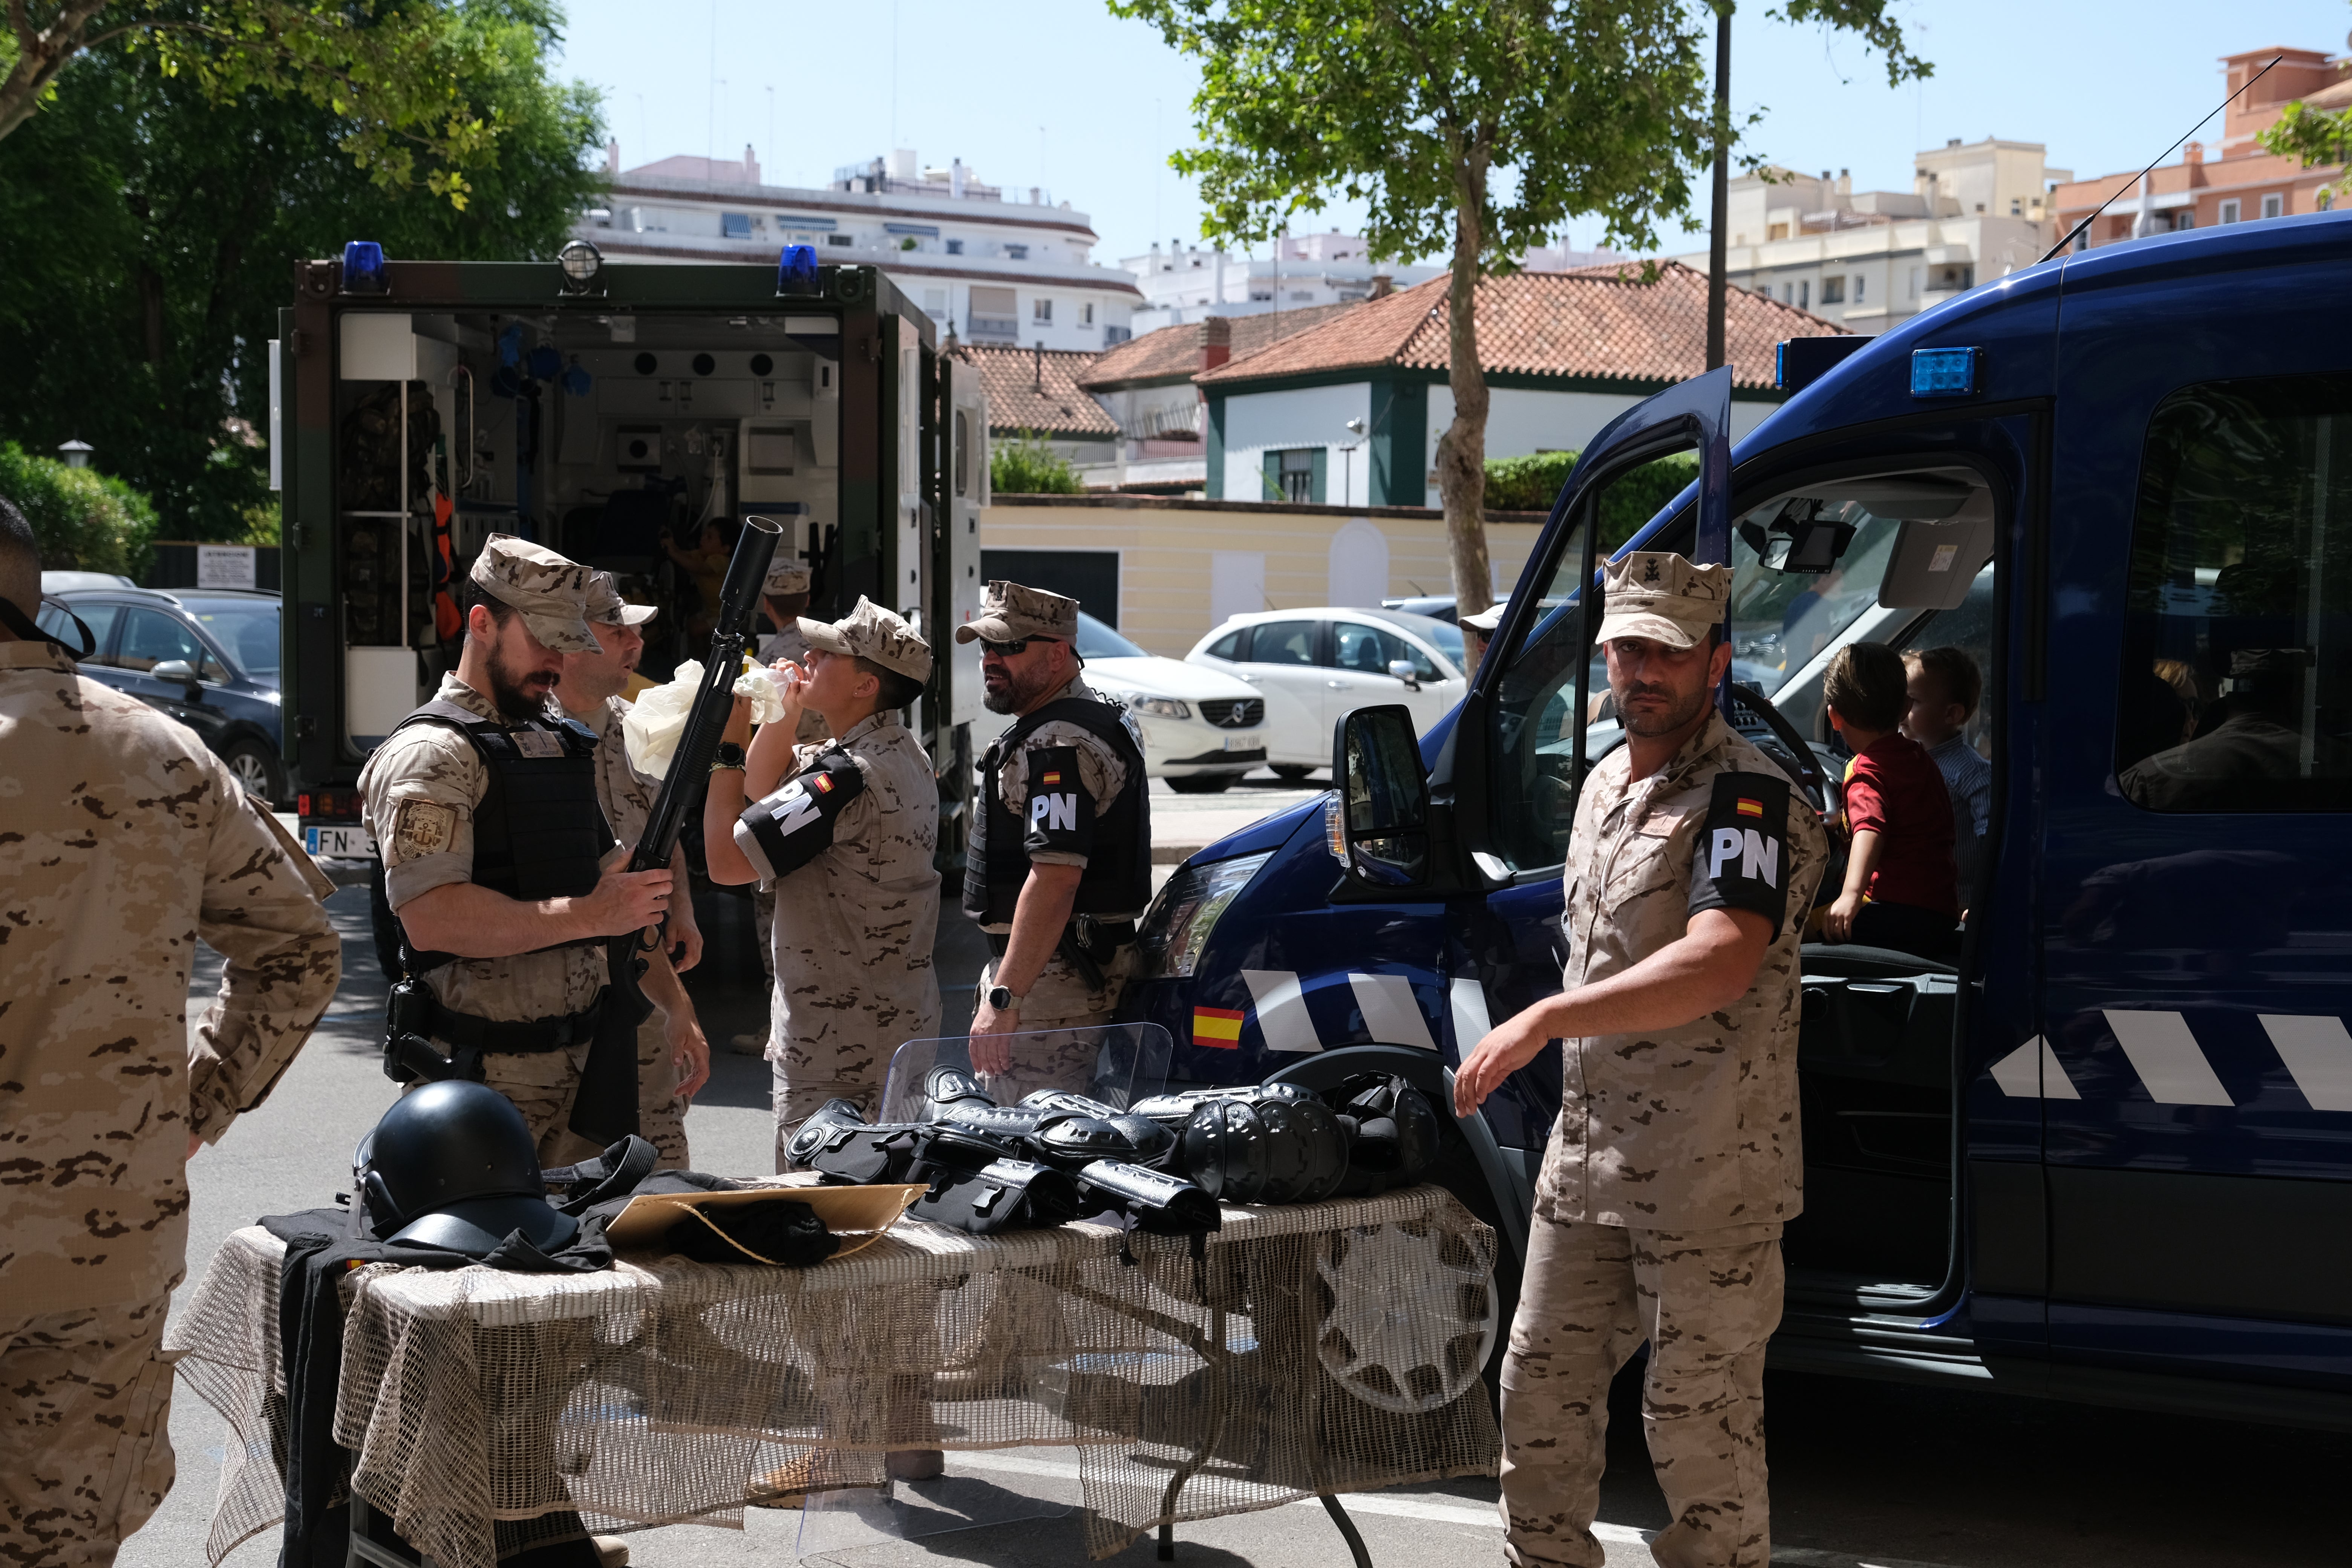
[[1062, 95]]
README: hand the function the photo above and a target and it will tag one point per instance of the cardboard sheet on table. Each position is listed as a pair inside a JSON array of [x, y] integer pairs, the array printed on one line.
[[858, 1215]]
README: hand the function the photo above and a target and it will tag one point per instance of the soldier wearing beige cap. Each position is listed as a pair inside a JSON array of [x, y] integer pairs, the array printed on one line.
[[1060, 859], [1674, 1163], [673, 1059], [852, 824], [496, 851]]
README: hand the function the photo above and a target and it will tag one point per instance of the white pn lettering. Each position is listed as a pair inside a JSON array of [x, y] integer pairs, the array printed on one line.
[[1763, 858], [793, 809], [1057, 812], [1726, 846]]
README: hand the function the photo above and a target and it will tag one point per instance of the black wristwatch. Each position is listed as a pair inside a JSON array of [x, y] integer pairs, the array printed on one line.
[[1001, 997], [728, 755]]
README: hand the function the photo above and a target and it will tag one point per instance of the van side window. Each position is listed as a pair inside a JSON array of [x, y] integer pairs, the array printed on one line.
[[2236, 691]]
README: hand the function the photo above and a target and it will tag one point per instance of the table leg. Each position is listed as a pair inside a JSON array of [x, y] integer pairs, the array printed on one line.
[[1348, 1531], [1218, 1357], [1310, 1333]]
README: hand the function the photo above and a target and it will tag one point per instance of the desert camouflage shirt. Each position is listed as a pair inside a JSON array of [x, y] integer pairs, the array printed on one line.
[[854, 927], [417, 797], [122, 842], [627, 794], [1693, 1128]]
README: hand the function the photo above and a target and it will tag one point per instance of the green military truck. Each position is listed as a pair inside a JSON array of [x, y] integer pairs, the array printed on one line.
[[613, 413]]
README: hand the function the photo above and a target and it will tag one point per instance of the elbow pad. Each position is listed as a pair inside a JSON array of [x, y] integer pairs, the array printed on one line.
[[781, 833]]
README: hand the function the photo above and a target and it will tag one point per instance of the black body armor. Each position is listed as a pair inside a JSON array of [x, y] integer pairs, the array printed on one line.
[[1117, 876]]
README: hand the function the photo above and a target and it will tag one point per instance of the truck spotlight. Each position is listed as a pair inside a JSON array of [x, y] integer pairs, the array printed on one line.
[[796, 270], [363, 267], [580, 262]]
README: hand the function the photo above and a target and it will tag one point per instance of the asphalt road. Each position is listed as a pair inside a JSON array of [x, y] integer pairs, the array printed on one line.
[[1862, 1473]]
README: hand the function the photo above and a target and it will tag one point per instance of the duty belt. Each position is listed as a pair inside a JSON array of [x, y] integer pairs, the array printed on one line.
[[415, 1017], [1100, 938]]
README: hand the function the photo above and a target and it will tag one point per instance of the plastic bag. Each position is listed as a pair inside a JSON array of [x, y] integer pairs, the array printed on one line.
[[654, 722]]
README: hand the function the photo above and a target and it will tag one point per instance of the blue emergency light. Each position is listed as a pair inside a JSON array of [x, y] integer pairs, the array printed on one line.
[[363, 267], [1945, 373], [796, 270]]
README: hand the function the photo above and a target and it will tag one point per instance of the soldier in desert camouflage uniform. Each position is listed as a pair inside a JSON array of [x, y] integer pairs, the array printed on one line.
[[673, 1059], [1675, 1159], [1060, 860], [847, 830], [122, 840], [503, 927], [784, 594]]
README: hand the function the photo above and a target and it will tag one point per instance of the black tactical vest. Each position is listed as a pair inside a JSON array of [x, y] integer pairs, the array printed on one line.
[[1117, 876], [539, 829]]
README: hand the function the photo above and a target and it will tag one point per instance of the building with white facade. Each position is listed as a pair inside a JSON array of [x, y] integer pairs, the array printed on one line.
[[1188, 283], [1870, 260], [995, 267]]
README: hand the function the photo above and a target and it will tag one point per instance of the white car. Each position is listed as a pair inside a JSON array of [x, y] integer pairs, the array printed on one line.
[[1316, 666], [1201, 730]]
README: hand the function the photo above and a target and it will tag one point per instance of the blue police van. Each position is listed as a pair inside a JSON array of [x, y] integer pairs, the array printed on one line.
[[2106, 1154]]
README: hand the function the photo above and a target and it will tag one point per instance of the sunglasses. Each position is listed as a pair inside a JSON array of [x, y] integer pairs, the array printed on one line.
[[1011, 649]]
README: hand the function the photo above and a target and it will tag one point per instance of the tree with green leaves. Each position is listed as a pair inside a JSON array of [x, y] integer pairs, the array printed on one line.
[[1469, 128], [148, 229]]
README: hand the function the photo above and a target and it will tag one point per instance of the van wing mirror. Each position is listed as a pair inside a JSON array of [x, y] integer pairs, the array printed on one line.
[[1383, 795]]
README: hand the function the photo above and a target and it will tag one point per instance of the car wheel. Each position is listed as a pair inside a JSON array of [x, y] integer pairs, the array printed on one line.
[[1201, 783], [255, 768], [1293, 773]]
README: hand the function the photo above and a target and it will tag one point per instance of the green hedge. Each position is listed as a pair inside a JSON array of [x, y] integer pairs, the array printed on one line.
[[1532, 484], [1025, 465], [83, 519]]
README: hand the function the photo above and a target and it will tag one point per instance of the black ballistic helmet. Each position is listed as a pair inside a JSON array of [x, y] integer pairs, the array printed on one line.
[[452, 1165]]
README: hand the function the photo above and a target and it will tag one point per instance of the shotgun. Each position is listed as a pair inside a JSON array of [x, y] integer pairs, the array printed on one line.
[[605, 1108]]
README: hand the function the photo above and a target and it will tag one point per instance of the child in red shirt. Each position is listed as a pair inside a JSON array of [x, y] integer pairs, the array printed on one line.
[[1901, 887]]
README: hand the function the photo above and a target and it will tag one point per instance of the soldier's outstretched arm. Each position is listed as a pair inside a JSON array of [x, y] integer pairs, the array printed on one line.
[[475, 922], [261, 912], [1706, 969]]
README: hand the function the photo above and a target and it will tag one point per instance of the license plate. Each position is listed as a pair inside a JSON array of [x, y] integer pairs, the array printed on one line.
[[350, 843], [1249, 743]]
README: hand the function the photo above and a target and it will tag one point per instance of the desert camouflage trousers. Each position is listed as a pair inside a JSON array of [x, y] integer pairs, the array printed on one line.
[[1059, 1000], [85, 1455], [661, 1110], [547, 1107], [1593, 1293]]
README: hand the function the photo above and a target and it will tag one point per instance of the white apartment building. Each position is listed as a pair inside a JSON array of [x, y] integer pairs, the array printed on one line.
[[1188, 283], [982, 260], [1870, 260]]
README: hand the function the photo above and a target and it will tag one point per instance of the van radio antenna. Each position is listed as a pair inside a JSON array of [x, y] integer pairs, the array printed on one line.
[[2160, 157]]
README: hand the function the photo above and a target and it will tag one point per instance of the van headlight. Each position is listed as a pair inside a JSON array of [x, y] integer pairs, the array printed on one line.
[[1160, 706], [1177, 926]]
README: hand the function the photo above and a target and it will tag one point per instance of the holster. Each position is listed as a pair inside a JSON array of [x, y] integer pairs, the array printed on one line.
[[408, 1053], [858, 1155], [1002, 1194]]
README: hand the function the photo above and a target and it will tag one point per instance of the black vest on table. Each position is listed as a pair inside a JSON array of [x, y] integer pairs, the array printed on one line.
[[1117, 876], [538, 830]]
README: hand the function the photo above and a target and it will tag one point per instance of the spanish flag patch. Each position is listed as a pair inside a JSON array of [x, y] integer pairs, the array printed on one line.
[[821, 782], [1216, 1028], [1750, 807], [1052, 778]]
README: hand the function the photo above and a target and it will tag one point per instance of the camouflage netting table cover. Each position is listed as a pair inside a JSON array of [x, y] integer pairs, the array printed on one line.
[[1311, 1348]]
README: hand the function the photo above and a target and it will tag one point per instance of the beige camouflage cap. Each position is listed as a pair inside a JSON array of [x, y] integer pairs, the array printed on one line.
[[785, 577], [1657, 594], [872, 632], [1009, 611], [608, 607], [550, 591]]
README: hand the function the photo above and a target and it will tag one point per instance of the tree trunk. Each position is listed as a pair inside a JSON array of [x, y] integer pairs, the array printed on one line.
[[40, 55], [1716, 352], [1462, 450]]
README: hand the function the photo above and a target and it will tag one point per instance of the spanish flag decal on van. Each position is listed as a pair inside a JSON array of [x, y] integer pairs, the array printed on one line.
[[1216, 1028]]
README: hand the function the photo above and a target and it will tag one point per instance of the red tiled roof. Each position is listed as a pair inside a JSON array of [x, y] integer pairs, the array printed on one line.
[[1037, 389], [1173, 353], [1597, 323]]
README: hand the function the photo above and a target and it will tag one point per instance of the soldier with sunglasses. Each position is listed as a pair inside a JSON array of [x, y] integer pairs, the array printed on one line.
[[1060, 860]]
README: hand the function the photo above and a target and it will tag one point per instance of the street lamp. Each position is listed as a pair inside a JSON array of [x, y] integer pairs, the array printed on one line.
[[76, 453], [1348, 463]]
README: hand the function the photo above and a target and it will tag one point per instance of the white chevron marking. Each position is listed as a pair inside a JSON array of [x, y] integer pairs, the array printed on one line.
[[2167, 1056], [1392, 1015], [2032, 1072], [1471, 1023], [2318, 1052], [1282, 1016]]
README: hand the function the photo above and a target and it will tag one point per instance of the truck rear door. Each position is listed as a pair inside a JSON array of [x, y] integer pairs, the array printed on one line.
[[2196, 1079]]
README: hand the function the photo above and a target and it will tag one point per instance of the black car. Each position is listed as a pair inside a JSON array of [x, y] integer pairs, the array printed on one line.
[[207, 657]]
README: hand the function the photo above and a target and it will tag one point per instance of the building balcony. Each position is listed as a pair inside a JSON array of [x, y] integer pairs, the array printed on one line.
[[981, 329]]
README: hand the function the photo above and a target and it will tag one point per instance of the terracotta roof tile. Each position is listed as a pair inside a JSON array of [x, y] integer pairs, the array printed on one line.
[[1173, 353], [1597, 322], [1037, 389]]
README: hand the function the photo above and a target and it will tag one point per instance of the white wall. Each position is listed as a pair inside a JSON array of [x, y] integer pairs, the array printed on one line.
[[1257, 422], [1520, 421], [1359, 565], [1237, 582]]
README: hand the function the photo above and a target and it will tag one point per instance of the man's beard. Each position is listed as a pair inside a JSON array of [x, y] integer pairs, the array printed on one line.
[[1648, 724], [507, 694], [1014, 694]]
